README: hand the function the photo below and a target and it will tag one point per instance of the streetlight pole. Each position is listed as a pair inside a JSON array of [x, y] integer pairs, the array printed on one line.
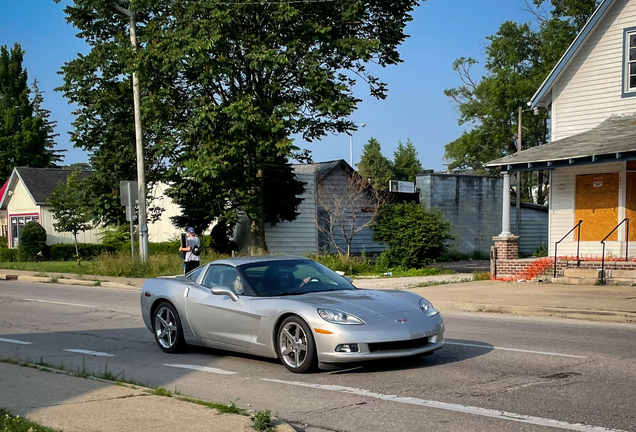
[[351, 145], [139, 143], [518, 194]]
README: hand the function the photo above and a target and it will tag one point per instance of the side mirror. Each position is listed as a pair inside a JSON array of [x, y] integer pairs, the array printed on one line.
[[225, 291], [348, 279]]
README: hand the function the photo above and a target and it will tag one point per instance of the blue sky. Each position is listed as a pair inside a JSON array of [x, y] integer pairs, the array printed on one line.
[[416, 107]]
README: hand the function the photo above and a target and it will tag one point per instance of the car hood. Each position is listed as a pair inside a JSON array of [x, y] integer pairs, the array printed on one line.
[[361, 302]]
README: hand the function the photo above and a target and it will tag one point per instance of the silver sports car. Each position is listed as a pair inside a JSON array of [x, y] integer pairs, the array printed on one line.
[[291, 308]]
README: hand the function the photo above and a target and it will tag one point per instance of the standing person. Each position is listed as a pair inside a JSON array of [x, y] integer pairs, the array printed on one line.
[[192, 251]]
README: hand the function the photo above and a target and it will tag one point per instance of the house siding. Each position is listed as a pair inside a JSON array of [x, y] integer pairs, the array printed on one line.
[[336, 183], [298, 236], [590, 88], [55, 237], [562, 210], [163, 230]]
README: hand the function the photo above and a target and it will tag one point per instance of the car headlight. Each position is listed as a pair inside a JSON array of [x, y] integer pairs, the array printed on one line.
[[337, 317], [428, 308]]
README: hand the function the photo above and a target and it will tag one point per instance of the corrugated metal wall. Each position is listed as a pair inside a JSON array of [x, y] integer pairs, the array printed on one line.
[[534, 228]]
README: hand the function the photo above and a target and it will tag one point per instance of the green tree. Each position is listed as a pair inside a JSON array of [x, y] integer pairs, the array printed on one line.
[[224, 86], [374, 167], [70, 206], [518, 58], [414, 236], [406, 165], [26, 133], [32, 245]]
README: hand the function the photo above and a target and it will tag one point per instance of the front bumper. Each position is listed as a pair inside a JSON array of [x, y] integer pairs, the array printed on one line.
[[364, 354], [382, 339]]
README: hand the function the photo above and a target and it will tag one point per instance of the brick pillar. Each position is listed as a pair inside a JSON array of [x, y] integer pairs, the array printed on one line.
[[507, 247]]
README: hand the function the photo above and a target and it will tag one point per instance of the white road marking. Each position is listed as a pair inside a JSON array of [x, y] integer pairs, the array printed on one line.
[[201, 368], [93, 353], [484, 412], [14, 341], [60, 303], [514, 349]]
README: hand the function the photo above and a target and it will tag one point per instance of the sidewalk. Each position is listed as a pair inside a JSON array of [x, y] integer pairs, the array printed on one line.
[[74, 404], [588, 302]]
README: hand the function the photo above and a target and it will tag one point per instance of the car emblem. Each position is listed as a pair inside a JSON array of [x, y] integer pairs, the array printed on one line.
[[402, 321]]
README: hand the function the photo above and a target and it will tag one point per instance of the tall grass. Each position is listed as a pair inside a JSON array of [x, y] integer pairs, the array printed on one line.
[[119, 264]]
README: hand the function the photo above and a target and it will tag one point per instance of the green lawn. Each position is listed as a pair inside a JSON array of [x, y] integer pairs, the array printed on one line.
[[87, 267]]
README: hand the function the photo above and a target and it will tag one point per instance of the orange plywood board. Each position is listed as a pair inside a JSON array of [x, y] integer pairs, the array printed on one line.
[[596, 203]]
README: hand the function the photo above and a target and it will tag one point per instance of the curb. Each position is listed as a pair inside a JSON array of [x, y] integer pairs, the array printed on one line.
[[584, 314], [82, 282]]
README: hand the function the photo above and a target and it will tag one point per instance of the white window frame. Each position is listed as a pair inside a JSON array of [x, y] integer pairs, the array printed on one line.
[[627, 89]]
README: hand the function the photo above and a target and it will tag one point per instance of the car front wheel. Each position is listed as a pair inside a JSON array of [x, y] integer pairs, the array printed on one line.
[[296, 346], [168, 330]]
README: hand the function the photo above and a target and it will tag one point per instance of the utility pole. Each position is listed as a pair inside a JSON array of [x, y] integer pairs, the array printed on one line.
[[518, 194], [139, 143]]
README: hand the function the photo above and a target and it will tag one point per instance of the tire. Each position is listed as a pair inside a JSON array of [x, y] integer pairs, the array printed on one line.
[[295, 345], [167, 328]]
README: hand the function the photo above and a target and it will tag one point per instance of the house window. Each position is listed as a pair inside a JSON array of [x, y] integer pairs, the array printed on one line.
[[17, 224], [630, 61]]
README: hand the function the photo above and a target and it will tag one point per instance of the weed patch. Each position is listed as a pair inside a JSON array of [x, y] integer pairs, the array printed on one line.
[[14, 423], [263, 421]]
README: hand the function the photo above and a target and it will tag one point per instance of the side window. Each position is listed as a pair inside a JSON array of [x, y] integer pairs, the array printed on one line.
[[224, 276], [194, 274]]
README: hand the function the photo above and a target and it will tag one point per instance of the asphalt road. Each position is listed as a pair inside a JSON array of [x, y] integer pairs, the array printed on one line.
[[498, 373]]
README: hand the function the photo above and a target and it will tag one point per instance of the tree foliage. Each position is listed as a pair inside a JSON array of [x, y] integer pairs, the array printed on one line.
[[26, 133], [32, 245], [224, 86], [414, 236], [406, 165], [518, 59], [70, 206], [374, 168]]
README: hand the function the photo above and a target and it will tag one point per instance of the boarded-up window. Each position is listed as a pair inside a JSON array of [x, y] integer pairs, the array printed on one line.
[[597, 205]]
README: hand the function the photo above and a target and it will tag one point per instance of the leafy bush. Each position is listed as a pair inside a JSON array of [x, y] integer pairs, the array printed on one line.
[[4, 242], [8, 255], [481, 276], [66, 251], [32, 245], [414, 236], [117, 237], [542, 251]]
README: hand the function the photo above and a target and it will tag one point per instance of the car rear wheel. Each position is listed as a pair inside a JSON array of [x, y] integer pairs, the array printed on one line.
[[168, 330], [296, 346]]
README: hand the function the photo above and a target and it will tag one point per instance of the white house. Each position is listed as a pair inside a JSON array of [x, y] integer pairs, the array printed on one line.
[[592, 157], [28, 189]]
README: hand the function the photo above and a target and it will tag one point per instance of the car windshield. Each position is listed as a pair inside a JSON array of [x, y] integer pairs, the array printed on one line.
[[293, 277]]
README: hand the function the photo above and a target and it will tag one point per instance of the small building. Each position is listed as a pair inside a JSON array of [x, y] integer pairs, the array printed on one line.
[[472, 205], [590, 95], [334, 188], [28, 189]]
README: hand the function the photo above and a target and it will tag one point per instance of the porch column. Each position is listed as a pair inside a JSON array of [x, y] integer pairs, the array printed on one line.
[[505, 218]]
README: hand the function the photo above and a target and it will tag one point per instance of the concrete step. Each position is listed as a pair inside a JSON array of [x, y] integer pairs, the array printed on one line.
[[621, 282], [581, 273], [622, 274], [574, 281]]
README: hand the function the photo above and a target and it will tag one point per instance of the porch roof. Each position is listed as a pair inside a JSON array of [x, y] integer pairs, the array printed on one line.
[[612, 140]]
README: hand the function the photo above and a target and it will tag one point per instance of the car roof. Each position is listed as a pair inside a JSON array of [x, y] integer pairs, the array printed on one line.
[[238, 261]]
